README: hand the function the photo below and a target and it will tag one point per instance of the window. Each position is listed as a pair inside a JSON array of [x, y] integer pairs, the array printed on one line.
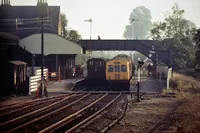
[[96, 64], [123, 68], [117, 68], [110, 68], [90, 63], [101, 63]]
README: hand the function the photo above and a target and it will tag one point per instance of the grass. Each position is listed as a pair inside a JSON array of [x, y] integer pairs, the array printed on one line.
[[187, 90]]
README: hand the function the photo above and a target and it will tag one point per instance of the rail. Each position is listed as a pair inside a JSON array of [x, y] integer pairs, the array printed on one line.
[[102, 92], [26, 107], [46, 115], [30, 102], [34, 112], [116, 120], [92, 116]]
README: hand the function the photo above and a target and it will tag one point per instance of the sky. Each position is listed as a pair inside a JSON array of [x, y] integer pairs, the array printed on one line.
[[109, 17]]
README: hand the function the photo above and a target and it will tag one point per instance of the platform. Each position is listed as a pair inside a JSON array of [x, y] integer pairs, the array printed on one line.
[[53, 88], [63, 85]]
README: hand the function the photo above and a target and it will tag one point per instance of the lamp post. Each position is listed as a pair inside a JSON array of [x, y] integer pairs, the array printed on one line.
[[33, 64], [132, 36], [67, 29], [42, 47], [90, 20], [42, 56]]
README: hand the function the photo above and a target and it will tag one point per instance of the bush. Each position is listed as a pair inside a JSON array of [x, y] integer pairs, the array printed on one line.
[[173, 84]]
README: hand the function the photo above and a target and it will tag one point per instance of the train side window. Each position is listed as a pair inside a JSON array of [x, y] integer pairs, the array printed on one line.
[[110, 68], [123, 68], [117, 68], [96, 63], [90, 63], [100, 63]]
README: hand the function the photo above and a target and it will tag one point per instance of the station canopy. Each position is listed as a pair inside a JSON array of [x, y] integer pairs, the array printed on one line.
[[53, 44]]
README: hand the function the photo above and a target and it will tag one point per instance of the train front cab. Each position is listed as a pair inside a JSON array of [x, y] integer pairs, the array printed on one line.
[[96, 68], [119, 74], [96, 77]]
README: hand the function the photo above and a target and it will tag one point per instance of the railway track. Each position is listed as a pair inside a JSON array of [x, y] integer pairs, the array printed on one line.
[[82, 116], [16, 112], [12, 107], [3, 99], [19, 120], [107, 118], [59, 114]]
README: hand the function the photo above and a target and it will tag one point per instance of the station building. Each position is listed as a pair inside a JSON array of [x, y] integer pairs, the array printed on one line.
[[20, 38]]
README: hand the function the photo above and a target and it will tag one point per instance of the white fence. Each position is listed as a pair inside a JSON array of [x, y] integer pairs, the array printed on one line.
[[33, 80]]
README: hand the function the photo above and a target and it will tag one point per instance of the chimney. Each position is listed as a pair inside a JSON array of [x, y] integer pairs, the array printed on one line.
[[43, 9], [5, 2]]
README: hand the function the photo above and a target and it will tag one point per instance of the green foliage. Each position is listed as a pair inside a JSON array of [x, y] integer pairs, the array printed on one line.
[[158, 32], [141, 25], [179, 35], [64, 22], [197, 54], [74, 36]]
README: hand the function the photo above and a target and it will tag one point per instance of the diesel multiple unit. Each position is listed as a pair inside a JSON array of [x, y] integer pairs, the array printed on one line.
[[117, 72]]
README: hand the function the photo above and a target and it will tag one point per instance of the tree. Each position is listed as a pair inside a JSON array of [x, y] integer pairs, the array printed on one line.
[[197, 54], [74, 36], [178, 35], [64, 22], [140, 23]]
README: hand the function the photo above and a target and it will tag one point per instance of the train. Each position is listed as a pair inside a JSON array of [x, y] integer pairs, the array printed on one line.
[[107, 74], [96, 76], [119, 72], [115, 74]]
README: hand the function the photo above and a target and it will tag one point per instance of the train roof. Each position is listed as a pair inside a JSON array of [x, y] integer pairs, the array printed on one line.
[[122, 57], [98, 59]]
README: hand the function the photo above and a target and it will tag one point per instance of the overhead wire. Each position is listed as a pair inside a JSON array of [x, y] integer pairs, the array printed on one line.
[[24, 19]]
